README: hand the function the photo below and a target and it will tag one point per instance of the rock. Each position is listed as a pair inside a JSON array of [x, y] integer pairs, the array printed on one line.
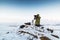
[[22, 26], [45, 38], [42, 27], [55, 36], [28, 23], [50, 30], [7, 33]]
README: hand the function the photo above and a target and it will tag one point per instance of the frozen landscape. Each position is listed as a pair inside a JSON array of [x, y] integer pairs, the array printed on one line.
[[15, 13], [9, 32]]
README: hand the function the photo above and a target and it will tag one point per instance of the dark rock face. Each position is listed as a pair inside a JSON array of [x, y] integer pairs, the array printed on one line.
[[50, 30], [42, 27], [7, 33], [44, 38], [28, 23], [22, 26], [55, 36]]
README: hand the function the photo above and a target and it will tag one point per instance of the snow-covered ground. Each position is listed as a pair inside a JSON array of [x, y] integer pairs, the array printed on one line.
[[11, 32]]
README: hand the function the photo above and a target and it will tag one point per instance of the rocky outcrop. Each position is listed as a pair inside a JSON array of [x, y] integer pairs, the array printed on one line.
[[45, 38]]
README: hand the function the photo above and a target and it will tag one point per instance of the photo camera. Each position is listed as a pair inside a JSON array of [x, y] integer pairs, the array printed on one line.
[[35, 16]]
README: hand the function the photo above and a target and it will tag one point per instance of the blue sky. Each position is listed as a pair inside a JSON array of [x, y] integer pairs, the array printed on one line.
[[23, 10]]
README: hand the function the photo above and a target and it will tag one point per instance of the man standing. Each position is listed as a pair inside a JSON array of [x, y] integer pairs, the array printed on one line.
[[37, 20]]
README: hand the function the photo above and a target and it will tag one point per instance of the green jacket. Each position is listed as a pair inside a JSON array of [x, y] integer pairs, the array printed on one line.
[[37, 20]]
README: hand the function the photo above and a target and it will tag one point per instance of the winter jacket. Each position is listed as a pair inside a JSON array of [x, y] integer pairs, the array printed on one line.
[[37, 20]]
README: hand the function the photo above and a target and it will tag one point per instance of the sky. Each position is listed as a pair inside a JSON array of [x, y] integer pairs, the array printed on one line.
[[13, 11]]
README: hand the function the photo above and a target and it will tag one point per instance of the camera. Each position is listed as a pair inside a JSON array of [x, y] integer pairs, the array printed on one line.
[[35, 16]]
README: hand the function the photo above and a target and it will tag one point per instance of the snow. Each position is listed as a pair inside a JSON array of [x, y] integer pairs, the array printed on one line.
[[11, 33]]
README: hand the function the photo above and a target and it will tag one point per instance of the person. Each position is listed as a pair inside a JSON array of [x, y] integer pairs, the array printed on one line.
[[37, 19]]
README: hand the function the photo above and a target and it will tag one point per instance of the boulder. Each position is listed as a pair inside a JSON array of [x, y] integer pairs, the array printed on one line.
[[45, 38], [22, 26], [55, 36]]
